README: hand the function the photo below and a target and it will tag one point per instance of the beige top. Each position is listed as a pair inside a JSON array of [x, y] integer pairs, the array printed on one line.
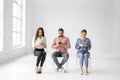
[[37, 41]]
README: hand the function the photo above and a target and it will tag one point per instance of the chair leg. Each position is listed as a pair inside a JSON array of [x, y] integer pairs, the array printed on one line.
[[90, 65]]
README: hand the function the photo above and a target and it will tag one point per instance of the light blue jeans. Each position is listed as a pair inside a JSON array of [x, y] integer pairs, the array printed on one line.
[[83, 58]]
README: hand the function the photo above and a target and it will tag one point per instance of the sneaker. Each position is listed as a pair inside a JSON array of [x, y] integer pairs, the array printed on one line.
[[57, 69]]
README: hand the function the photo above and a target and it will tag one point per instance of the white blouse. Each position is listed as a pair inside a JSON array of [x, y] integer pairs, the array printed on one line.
[[37, 41]]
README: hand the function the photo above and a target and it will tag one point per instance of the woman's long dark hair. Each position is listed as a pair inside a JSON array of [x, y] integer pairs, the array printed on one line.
[[37, 33]]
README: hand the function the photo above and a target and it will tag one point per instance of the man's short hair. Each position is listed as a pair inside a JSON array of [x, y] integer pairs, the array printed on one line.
[[61, 29]]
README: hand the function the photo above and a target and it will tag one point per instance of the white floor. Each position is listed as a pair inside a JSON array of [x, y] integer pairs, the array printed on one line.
[[24, 69]]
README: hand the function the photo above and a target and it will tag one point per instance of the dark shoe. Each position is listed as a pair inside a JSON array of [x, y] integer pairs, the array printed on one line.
[[60, 66], [39, 72], [57, 68]]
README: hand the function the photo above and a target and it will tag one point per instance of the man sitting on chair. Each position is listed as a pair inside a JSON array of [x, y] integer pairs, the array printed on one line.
[[61, 43]]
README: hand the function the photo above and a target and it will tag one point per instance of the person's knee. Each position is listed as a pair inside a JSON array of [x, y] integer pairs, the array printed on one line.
[[53, 55], [44, 54], [86, 55], [66, 56]]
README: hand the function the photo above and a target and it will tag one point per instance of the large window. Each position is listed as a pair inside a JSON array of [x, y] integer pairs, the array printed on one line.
[[18, 23], [1, 25]]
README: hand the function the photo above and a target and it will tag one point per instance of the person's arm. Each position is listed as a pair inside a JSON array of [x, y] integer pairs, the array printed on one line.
[[33, 43], [68, 45], [89, 44], [77, 45], [54, 44], [44, 43], [36, 45]]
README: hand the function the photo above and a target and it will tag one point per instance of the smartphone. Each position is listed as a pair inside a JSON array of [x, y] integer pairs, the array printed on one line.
[[60, 42]]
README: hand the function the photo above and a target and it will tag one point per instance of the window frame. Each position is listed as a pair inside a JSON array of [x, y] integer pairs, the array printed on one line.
[[22, 24]]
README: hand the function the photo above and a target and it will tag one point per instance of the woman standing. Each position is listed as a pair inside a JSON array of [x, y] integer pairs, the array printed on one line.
[[83, 44], [39, 43]]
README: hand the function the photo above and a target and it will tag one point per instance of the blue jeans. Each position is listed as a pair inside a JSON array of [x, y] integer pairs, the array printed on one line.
[[83, 58], [65, 56]]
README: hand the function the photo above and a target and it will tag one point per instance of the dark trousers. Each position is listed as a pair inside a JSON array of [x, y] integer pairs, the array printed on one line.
[[41, 57]]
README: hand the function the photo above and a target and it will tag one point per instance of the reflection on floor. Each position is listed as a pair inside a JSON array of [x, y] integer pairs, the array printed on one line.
[[24, 69]]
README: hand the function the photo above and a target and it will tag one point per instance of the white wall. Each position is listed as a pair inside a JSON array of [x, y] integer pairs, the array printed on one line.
[[29, 26], [116, 28], [100, 17]]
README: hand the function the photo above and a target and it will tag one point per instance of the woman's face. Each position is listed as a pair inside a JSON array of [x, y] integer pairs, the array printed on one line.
[[83, 34], [40, 33]]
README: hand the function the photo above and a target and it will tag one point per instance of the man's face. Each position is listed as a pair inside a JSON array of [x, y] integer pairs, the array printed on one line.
[[60, 33]]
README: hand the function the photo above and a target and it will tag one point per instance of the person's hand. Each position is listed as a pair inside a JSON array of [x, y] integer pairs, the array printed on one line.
[[61, 44], [37, 45], [85, 45], [42, 44], [81, 45]]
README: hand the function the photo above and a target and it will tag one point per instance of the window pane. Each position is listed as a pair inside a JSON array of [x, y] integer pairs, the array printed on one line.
[[16, 25], [16, 39], [16, 0], [1, 25], [15, 9], [19, 12], [19, 2], [1, 7]]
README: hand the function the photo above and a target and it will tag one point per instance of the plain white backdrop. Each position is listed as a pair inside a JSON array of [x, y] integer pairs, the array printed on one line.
[[100, 17]]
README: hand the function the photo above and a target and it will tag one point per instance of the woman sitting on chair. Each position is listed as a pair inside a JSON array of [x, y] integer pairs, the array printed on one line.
[[39, 44], [83, 44]]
